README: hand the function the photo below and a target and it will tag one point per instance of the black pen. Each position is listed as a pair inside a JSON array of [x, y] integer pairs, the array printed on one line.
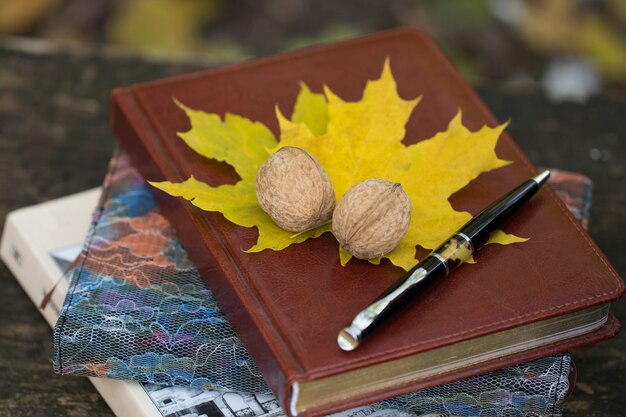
[[450, 254]]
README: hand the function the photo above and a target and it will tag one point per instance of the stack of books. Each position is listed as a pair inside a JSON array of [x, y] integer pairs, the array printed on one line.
[[529, 301], [39, 243], [136, 309]]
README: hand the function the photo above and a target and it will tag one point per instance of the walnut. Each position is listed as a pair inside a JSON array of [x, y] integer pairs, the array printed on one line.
[[371, 218], [293, 188]]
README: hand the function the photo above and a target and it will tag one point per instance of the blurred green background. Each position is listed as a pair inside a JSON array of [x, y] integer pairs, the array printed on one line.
[[570, 48]]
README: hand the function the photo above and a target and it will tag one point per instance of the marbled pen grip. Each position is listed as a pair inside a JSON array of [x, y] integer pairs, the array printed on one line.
[[453, 252]]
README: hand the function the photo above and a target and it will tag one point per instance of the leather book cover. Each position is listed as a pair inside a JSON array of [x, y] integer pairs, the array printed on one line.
[[288, 306]]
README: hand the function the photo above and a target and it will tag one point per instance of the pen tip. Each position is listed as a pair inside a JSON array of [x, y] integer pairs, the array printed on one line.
[[542, 177], [346, 340]]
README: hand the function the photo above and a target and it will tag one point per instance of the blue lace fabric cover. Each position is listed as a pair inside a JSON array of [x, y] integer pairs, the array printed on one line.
[[136, 309]]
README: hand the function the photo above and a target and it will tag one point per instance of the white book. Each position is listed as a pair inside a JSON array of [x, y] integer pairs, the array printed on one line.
[[40, 241]]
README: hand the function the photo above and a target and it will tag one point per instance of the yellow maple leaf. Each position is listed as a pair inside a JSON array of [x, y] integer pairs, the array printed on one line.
[[353, 141]]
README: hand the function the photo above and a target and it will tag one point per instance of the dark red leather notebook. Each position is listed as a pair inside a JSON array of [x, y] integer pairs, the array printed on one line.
[[288, 306]]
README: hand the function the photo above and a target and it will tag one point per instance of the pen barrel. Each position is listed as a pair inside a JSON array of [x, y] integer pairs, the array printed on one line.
[[478, 229], [453, 252]]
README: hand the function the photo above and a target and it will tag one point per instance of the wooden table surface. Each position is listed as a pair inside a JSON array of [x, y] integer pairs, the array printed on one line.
[[55, 141]]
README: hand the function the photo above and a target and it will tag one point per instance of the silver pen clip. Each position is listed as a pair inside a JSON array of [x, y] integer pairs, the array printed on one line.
[[350, 337]]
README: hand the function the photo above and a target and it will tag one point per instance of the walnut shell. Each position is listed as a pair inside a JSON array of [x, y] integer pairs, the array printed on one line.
[[293, 188], [371, 218]]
